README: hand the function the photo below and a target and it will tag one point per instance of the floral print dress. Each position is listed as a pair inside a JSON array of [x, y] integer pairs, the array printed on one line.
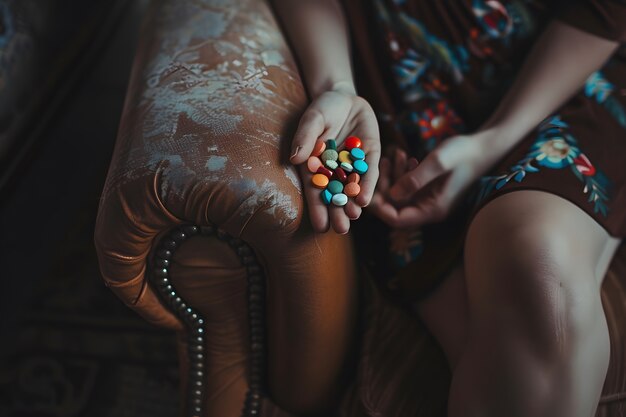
[[434, 69]]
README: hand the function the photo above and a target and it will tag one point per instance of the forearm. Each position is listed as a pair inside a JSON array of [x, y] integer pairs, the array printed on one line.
[[556, 68], [319, 34]]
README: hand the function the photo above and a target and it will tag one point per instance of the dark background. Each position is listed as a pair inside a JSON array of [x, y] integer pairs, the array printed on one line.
[[68, 347]]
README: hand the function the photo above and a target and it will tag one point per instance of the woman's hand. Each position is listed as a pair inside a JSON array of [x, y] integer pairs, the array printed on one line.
[[428, 191], [337, 114]]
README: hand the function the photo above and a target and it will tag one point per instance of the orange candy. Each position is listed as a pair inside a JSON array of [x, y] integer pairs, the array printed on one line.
[[320, 180], [352, 189], [320, 146], [354, 177], [313, 164], [353, 142]]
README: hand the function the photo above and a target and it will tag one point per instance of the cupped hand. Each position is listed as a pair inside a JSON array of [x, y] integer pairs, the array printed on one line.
[[337, 115], [426, 192]]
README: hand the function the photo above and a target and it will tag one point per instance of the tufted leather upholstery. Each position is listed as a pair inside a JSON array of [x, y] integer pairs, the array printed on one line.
[[213, 98]]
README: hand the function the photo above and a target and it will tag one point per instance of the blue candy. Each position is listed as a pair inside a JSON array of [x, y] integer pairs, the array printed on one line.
[[327, 197], [357, 153], [360, 166]]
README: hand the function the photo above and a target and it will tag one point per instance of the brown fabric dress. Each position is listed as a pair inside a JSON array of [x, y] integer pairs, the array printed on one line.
[[434, 69]]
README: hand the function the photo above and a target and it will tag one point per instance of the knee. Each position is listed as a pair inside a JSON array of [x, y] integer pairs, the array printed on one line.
[[533, 286], [553, 325]]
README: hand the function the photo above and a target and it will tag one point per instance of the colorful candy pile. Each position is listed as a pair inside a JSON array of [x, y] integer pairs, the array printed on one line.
[[337, 173]]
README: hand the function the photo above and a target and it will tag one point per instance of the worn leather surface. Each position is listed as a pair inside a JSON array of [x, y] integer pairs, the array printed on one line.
[[212, 100], [216, 286]]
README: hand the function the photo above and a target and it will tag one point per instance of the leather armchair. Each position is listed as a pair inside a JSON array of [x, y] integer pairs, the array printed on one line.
[[202, 229]]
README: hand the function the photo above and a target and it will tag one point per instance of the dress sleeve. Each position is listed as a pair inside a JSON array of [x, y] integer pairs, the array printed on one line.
[[604, 18]]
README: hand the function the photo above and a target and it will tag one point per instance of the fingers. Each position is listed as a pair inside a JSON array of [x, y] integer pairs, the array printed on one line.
[[399, 164], [412, 164], [433, 204], [318, 213], [338, 219], [382, 209], [384, 178], [353, 210], [324, 217], [311, 126], [412, 181], [411, 216]]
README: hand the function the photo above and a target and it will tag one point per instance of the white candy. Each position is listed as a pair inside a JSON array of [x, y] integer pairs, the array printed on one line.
[[340, 199], [346, 166]]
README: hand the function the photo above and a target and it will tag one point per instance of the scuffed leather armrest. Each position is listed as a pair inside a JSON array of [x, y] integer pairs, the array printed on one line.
[[212, 92], [214, 97]]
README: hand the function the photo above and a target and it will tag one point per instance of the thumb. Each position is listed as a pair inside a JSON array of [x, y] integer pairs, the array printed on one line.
[[311, 127]]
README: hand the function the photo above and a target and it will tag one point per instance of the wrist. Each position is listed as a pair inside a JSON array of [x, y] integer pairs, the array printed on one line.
[[343, 86], [495, 142]]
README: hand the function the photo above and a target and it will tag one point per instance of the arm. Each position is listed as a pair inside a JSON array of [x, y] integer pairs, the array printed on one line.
[[319, 34], [556, 68]]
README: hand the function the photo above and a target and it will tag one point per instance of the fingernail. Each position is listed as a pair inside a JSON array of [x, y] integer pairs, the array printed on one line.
[[295, 152]]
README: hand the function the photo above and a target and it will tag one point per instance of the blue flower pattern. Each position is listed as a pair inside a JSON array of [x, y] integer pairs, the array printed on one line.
[[555, 148], [422, 64], [601, 90]]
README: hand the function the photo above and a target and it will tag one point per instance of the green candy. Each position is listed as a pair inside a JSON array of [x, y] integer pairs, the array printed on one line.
[[329, 155], [335, 187], [331, 144]]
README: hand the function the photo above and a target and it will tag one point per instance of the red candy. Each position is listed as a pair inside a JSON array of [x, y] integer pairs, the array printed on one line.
[[353, 142], [340, 174], [325, 171]]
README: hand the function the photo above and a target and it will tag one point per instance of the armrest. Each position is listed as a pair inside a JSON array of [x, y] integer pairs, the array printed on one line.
[[214, 97], [211, 92]]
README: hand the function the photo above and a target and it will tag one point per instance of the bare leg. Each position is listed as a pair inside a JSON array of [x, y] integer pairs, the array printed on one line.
[[445, 314], [537, 341]]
